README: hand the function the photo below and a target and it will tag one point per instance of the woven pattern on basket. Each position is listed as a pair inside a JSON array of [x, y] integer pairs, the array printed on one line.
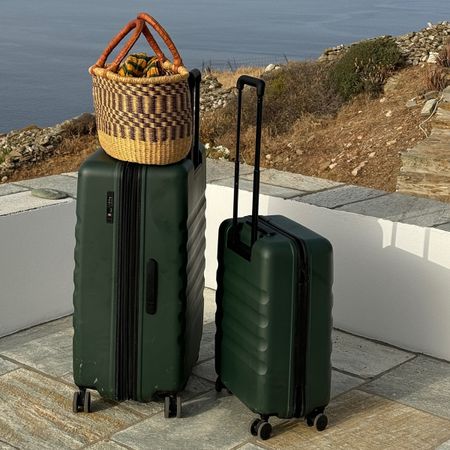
[[148, 114], [145, 120]]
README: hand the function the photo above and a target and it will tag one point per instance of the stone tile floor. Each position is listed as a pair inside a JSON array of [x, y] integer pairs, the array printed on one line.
[[383, 398]]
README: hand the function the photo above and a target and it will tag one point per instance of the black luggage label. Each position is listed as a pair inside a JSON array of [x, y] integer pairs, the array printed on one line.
[[109, 207]]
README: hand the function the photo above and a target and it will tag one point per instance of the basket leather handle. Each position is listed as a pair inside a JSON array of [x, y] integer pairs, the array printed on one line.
[[135, 24], [177, 62], [153, 44]]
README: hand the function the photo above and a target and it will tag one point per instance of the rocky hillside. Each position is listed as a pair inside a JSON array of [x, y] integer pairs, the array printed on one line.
[[417, 46], [361, 143]]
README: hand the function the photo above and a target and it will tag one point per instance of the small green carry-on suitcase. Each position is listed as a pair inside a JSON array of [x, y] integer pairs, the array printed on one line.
[[274, 301], [139, 265]]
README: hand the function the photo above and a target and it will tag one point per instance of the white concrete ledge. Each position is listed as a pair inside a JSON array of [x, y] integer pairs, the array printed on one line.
[[392, 252], [392, 280], [36, 263]]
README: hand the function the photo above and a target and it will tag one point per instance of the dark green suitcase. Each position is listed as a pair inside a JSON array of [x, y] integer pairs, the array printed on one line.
[[139, 277], [274, 301]]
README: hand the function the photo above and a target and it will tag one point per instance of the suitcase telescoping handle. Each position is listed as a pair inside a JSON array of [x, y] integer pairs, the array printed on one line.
[[195, 77], [260, 86]]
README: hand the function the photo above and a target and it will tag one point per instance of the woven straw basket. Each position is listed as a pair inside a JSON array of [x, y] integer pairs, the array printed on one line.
[[143, 120]]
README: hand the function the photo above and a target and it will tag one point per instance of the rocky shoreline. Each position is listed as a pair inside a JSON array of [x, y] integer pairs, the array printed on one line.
[[25, 147], [30, 145], [417, 47]]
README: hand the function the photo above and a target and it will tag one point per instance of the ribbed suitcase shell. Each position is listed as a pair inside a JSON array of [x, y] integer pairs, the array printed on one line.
[[273, 341], [146, 353]]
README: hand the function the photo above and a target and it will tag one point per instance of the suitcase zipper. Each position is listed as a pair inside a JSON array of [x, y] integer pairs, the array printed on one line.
[[300, 344], [128, 282]]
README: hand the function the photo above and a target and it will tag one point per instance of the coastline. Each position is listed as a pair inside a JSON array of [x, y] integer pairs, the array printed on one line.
[[31, 145]]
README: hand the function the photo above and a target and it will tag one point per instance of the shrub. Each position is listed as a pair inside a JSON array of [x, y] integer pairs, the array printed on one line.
[[365, 67], [295, 90]]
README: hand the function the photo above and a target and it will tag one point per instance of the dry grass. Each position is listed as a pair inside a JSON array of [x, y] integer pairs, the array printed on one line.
[[368, 131], [228, 79], [298, 88], [365, 129], [70, 155]]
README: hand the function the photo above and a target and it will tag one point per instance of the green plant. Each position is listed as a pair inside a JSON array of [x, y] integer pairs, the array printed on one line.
[[294, 90], [365, 66]]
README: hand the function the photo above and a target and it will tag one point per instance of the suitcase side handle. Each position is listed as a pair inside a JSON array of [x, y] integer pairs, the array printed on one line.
[[152, 286], [195, 77], [259, 85]]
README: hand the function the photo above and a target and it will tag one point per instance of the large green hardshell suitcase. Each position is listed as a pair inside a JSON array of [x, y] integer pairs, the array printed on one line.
[[274, 301], [139, 276]]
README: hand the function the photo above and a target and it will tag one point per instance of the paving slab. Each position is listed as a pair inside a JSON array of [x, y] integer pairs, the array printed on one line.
[[218, 170], [24, 201], [396, 207], [7, 189], [341, 382], [212, 421], [206, 370], [6, 366], [445, 227], [195, 386], [61, 183], [106, 445], [207, 346], [36, 412], [51, 354], [432, 219], [358, 420], [20, 338], [423, 383], [210, 305], [71, 174], [264, 188], [340, 196], [250, 446], [364, 358], [295, 181]]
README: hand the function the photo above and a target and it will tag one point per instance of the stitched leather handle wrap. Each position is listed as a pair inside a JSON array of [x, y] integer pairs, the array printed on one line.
[[135, 24], [177, 62]]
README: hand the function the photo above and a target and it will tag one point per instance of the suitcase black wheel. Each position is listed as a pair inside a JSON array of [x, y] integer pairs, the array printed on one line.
[[81, 401], [253, 427], [75, 401], [87, 402], [172, 406], [321, 422], [263, 430]]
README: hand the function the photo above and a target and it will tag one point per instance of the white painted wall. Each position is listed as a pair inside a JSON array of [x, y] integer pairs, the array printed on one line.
[[36, 266], [392, 280]]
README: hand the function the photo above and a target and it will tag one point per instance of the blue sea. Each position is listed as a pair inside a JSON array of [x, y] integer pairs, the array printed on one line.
[[46, 46]]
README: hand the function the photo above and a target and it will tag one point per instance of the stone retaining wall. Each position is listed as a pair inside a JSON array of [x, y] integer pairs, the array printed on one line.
[[425, 169]]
